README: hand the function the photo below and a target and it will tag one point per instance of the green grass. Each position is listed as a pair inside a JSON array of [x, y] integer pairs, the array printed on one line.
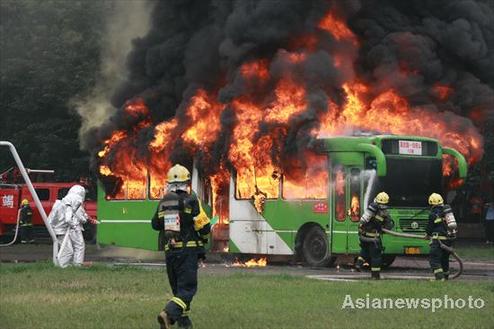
[[41, 296], [482, 252]]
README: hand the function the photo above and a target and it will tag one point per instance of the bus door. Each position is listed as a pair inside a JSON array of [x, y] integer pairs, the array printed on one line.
[[347, 197], [354, 207], [339, 225]]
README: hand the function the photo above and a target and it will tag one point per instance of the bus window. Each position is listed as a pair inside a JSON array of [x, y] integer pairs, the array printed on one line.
[[314, 183], [157, 184], [43, 194], [354, 210], [156, 190], [207, 192], [249, 184], [339, 179], [134, 189]]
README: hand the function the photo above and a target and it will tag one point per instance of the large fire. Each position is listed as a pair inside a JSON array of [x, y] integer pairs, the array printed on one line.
[[259, 120]]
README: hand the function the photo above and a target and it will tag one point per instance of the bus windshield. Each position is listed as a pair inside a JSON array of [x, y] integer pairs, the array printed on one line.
[[409, 182]]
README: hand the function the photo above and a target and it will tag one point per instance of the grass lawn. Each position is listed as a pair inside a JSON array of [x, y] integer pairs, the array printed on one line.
[[41, 296], [473, 252]]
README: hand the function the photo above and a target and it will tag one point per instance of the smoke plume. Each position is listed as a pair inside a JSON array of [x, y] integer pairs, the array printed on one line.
[[298, 63], [128, 20]]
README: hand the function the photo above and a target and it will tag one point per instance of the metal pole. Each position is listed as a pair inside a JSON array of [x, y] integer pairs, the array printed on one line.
[[34, 195], [40, 171]]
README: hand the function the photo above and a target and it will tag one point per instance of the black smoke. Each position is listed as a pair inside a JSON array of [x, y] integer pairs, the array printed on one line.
[[202, 44]]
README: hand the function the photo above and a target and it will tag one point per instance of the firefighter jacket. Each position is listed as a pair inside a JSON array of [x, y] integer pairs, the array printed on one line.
[[437, 224], [187, 206], [374, 219], [26, 215]]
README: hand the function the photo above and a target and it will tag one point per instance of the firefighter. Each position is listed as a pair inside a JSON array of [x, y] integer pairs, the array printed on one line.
[[441, 229], [186, 227], [26, 217], [375, 217], [67, 217]]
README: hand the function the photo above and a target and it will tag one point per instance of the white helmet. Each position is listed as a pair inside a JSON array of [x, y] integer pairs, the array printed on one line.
[[79, 191]]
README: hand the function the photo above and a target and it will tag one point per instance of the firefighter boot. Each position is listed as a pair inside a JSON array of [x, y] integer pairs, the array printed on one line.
[[359, 264], [439, 274], [184, 322], [164, 320]]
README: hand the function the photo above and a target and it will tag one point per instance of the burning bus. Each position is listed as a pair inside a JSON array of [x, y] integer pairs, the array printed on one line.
[[314, 216], [289, 133]]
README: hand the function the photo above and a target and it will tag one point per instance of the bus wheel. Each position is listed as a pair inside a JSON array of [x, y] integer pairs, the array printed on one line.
[[161, 241], [388, 260], [315, 248]]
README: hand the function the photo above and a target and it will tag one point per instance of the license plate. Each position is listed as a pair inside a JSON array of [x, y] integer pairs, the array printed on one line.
[[410, 147], [412, 250]]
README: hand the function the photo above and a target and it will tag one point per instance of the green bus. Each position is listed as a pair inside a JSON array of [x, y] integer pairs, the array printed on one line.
[[318, 219]]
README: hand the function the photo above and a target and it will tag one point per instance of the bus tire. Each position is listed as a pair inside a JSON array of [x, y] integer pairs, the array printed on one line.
[[161, 241], [388, 260], [315, 249]]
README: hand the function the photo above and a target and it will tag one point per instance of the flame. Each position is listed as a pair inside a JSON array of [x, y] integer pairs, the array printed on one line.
[[442, 91], [312, 182], [340, 194], [337, 28], [355, 208], [105, 171], [261, 262], [260, 118], [204, 113], [256, 69], [219, 185], [259, 200]]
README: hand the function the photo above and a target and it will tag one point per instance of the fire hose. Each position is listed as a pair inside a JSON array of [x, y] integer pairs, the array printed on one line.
[[442, 245]]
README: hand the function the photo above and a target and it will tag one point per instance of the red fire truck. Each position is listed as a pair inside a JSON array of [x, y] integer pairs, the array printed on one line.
[[11, 196]]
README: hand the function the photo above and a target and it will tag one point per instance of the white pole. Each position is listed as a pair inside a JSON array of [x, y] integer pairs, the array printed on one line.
[[40, 171], [35, 197]]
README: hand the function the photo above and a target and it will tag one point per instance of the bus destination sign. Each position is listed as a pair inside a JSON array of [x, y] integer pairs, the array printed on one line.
[[410, 147]]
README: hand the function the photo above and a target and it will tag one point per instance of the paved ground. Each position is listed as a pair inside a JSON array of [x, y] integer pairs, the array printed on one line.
[[402, 268]]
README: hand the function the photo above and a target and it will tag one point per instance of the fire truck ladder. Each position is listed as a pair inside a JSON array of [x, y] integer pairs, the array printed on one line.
[[24, 174]]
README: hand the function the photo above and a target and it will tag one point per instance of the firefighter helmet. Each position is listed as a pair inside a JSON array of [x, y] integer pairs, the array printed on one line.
[[382, 198], [435, 199], [24, 202], [79, 191], [178, 174]]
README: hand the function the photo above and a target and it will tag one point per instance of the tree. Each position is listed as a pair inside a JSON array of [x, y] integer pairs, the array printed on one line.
[[49, 53]]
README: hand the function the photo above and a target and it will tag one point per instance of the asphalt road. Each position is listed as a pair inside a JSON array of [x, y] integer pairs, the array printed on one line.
[[402, 268]]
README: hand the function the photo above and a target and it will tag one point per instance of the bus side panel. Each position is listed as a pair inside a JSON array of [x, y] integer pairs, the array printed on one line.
[[132, 235], [126, 223], [251, 233], [339, 240], [286, 217], [353, 239]]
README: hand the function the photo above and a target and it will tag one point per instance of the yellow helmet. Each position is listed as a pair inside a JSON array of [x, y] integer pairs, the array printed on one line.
[[435, 199], [178, 174], [24, 202], [382, 198]]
